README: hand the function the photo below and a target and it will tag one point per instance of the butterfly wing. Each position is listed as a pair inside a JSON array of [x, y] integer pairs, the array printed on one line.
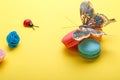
[[86, 12], [102, 20], [81, 33], [96, 33], [91, 19]]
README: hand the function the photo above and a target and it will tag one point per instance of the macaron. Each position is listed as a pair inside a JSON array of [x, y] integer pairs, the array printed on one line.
[[2, 55], [69, 41], [89, 48]]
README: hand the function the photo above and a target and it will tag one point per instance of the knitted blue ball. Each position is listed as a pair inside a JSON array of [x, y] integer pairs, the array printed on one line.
[[13, 39]]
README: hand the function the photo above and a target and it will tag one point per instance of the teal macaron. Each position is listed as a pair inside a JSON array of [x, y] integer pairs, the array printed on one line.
[[89, 48]]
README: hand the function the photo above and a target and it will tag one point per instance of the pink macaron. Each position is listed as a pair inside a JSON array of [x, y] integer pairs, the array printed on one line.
[[69, 41], [2, 55]]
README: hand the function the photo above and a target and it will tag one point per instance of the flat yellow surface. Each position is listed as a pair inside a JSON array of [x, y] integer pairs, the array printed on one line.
[[41, 55]]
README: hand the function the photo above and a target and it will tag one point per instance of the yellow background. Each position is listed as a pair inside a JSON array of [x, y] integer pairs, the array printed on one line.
[[40, 54]]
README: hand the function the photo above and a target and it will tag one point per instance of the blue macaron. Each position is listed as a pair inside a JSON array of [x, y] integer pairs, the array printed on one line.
[[89, 48]]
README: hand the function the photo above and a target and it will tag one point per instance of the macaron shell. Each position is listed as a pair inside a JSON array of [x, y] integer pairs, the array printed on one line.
[[89, 48], [2, 55], [69, 41]]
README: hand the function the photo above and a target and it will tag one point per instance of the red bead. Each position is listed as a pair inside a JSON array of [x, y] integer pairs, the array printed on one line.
[[27, 22]]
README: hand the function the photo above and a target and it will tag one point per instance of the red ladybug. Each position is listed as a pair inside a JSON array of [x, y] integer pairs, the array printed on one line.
[[28, 23]]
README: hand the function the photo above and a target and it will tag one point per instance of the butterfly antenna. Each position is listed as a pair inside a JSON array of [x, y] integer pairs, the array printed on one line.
[[70, 26], [71, 21]]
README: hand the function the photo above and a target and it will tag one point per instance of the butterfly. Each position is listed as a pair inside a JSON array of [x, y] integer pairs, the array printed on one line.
[[90, 21]]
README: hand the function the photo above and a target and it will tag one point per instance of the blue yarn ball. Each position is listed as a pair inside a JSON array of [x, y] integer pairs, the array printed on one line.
[[13, 39]]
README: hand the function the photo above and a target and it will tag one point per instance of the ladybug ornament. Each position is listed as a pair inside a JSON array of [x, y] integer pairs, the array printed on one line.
[[29, 23]]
